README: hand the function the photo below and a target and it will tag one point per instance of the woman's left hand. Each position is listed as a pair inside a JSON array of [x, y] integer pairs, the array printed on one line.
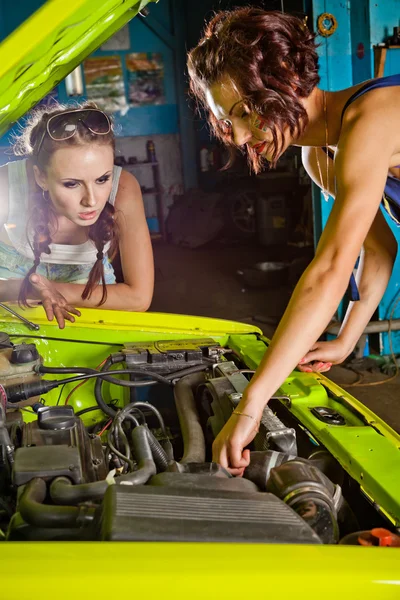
[[54, 303], [322, 356]]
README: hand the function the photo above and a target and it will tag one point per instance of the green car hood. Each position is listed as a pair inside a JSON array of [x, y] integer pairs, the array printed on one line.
[[50, 44]]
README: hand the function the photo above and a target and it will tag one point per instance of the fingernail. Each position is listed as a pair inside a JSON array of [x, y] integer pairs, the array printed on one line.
[[301, 361]]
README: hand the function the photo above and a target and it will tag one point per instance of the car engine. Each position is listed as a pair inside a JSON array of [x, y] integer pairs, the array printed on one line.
[[143, 470]]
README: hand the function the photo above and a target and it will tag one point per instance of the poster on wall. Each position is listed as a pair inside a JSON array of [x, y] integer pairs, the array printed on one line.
[[145, 78], [119, 41], [105, 82]]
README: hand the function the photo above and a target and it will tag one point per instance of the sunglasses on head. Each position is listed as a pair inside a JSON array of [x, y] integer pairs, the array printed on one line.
[[64, 126]]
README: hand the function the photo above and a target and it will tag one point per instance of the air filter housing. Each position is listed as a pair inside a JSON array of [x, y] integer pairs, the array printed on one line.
[[152, 513]]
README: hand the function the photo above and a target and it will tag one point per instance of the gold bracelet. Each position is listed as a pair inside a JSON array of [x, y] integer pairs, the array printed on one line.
[[242, 414]]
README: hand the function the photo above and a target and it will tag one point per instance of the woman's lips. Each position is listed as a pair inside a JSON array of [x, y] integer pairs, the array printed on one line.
[[87, 216], [259, 148]]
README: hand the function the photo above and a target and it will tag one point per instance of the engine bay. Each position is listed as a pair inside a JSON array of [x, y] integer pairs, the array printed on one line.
[[135, 462]]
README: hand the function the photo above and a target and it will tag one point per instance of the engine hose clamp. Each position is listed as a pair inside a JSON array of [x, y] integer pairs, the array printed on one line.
[[337, 497], [110, 479], [306, 490], [85, 516], [326, 24]]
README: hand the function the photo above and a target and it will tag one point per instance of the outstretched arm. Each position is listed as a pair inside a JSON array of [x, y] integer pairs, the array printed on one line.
[[320, 289], [380, 249]]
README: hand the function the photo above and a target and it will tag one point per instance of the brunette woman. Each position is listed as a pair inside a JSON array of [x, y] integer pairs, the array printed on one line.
[[256, 74]]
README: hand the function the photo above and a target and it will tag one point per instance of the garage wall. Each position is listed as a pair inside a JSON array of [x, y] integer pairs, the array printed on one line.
[[137, 121], [160, 123], [12, 14]]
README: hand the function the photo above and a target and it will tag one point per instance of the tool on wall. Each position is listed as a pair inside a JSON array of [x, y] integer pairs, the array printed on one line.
[[326, 24]]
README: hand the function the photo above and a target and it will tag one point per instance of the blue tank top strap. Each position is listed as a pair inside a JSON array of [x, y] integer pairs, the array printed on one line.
[[373, 84], [391, 196]]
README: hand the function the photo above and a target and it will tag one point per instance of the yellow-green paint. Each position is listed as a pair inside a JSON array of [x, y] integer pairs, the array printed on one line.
[[32, 61], [120, 323], [49, 571], [366, 447], [98, 333], [50, 44], [215, 570]]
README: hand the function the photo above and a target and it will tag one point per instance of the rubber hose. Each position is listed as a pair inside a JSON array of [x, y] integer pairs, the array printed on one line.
[[41, 515], [187, 371], [109, 376], [144, 458], [63, 491], [111, 412], [154, 410], [166, 444], [84, 411], [158, 452], [114, 359], [88, 373], [261, 463], [194, 444]]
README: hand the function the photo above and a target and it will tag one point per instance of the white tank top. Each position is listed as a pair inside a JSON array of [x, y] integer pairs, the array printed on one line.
[[16, 225]]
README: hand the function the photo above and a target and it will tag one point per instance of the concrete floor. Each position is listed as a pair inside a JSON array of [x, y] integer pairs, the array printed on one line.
[[205, 282]]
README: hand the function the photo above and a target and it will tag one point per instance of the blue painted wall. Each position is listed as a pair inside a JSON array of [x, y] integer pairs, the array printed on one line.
[[385, 15], [361, 34], [14, 13], [359, 21], [369, 22], [336, 73]]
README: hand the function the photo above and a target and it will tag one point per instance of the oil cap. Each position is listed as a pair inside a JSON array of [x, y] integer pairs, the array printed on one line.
[[379, 537], [56, 417], [24, 353]]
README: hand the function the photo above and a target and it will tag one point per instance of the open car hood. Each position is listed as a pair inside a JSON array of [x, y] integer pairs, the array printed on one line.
[[50, 44], [33, 60], [363, 446]]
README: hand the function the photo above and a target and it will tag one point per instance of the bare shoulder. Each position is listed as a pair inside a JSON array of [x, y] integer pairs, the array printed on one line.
[[379, 107], [129, 192], [372, 124]]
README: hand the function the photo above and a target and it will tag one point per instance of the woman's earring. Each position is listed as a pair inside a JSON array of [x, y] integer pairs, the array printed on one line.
[[45, 198]]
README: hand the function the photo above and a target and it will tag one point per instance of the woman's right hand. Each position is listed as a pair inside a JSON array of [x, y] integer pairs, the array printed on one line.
[[229, 447], [322, 356], [54, 303]]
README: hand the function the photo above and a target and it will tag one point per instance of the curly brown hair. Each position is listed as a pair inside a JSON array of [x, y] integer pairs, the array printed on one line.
[[103, 231], [270, 57]]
